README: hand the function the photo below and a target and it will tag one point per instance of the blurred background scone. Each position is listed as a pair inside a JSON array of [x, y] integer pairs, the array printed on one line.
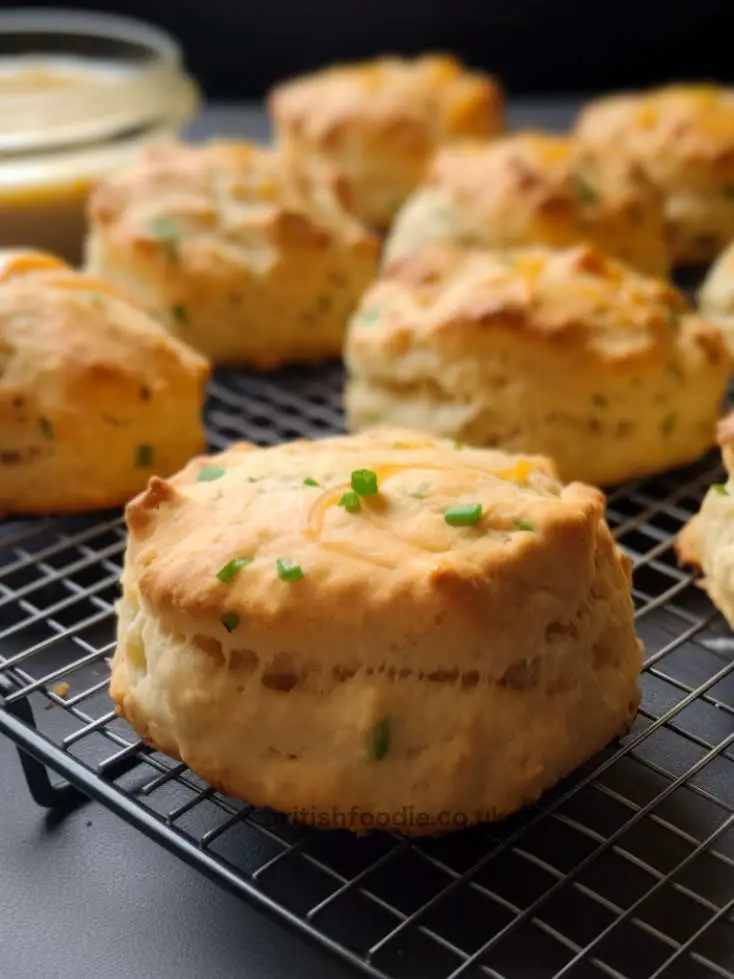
[[567, 353], [229, 254], [371, 127], [716, 296], [375, 622], [707, 541], [683, 138], [94, 396], [533, 188]]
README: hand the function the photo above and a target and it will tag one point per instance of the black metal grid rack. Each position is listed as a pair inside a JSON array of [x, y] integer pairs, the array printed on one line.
[[625, 870]]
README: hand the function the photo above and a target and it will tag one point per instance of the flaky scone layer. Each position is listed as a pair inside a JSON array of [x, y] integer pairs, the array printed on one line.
[[409, 662], [567, 353]]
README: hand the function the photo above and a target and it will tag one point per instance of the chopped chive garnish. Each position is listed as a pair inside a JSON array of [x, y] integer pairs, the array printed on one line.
[[421, 492], [720, 488], [254, 479], [350, 501], [370, 315], [230, 621], [311, 482], [583, 189], [381, 739], [458, 445], [364, 482], [209, 473], [144, 456], [287, 570], [178, 312], [47, 429], [522, 524], [167, 232], [398, 445], [463, 515], [232, 568]]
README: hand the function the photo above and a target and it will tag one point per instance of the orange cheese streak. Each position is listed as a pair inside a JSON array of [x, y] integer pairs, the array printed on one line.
[[21, 262], [314, 524]]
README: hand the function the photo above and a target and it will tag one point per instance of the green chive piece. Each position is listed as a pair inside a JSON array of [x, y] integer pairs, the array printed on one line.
[[398, 445], [209, 473], [230, 621], [287, 570], [364, 482], [463, 515], [381, 739], [668, 424], [583, 189], [421, 492], [522, 524], [233, 568], [179, 314], [728, 190], [254, 479], [369, 315], [458, 445], [311, 482], [350, 501], [144, 456], [720, 488], [47, 429], [167, 232]]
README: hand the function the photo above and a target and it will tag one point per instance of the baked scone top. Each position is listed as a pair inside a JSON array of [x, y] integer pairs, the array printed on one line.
[[65, 335], [254, 544], [432, 96], [580, 298], [217, 206], [669, 126], [542, 169]]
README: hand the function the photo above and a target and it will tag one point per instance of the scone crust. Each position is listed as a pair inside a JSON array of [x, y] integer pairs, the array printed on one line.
[[94, 396], [498, 657], [230, 254], [566, 353], [372, 126], [683, 138], [533, 188], [706, 543]]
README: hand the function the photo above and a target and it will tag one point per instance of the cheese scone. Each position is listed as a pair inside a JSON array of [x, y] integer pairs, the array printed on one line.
[[567, 353], [716, 296], [683, 138], [707, 540], [533, 189], [372, 126], [376, 631], [94, 396], [230, 254]]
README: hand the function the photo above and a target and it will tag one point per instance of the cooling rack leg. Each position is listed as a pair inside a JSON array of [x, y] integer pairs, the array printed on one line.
[[44, 792]]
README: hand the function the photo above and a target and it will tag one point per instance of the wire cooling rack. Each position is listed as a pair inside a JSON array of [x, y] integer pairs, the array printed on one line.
[[626, 869]]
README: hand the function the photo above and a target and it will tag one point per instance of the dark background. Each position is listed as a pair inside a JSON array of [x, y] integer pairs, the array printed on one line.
[[237, 48]]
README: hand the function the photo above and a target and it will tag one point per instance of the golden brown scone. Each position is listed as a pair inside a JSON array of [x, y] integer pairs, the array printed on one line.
[[683, 138], [350, 665], [716, 296], [707, 540], [567, 353], [533, 188], [229, 254], [94, 396], [371, 127]]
